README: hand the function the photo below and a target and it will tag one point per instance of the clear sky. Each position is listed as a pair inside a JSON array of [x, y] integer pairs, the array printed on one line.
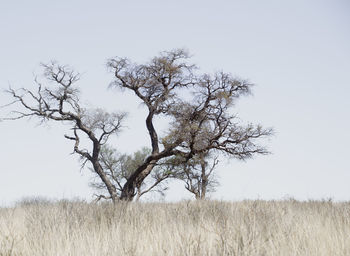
[[296, 52]]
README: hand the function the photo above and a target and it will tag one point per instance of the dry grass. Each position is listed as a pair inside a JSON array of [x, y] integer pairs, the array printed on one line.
[[186, 228]]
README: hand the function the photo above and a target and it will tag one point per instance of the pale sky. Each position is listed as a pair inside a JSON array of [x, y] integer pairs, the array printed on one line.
[[296, 52]]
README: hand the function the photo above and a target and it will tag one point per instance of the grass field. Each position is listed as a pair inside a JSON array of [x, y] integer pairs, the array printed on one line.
[[187, 228]]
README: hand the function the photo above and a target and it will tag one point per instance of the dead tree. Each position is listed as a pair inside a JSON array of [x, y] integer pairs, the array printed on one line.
[[60, 102], [199, 106]]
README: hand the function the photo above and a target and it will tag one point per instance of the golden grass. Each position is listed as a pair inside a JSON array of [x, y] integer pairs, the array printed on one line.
[[186, 228]]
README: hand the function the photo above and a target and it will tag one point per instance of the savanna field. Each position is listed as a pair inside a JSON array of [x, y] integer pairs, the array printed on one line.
[[187, 228]]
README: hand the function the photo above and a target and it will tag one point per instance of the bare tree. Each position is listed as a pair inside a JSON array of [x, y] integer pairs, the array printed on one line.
[[199, 106], [60, 102]]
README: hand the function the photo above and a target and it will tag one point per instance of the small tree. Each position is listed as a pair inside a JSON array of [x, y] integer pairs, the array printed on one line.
[[198, 174]]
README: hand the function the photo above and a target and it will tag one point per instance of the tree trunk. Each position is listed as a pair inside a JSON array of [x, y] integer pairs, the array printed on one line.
[[135, 180], [110, 187], [204, 180], [198, 196]]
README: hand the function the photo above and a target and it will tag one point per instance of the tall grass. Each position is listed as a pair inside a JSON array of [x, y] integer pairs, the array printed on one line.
[[187, 228]]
